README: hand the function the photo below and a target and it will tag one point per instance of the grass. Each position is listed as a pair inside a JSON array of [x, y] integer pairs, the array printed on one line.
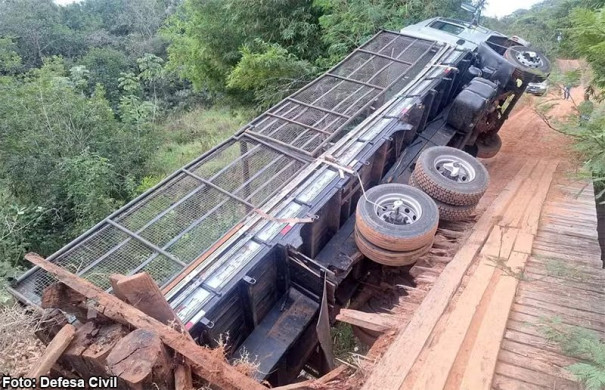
[[345, 345], [582, 344], [186, 136]]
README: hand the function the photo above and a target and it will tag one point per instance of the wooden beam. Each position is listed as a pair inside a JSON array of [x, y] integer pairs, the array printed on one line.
[[482, 359], [53, 352], [141, 361], [203, 361], [142, 292], [315, 383], [371, 321], [391, 370]]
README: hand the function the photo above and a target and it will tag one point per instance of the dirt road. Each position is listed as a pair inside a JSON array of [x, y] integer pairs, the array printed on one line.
[[526, 136]]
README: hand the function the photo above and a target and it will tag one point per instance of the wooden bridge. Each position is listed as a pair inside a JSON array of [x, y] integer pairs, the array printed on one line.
[[531, 266]]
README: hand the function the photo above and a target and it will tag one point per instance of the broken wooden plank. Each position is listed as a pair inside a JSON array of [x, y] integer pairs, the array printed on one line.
[[141, 361], [391, 370], [53, 351], [371, 321], [204, 362]]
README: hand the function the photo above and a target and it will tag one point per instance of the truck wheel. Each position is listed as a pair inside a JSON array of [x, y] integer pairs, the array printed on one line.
[[447, 212], [387, 257], [397, 217], [488, 146], [450, 213], [528, 60], [451, 176]]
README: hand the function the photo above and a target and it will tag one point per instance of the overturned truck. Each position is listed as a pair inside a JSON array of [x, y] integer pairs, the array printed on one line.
[[258, 237]]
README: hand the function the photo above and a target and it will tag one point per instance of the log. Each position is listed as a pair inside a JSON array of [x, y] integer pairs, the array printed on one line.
[[141, 362], [203, 361], [142, 292], [92, 344], [53, 352]]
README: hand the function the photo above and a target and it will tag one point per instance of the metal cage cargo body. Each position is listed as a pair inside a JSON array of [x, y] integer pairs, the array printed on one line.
[[254, 239]]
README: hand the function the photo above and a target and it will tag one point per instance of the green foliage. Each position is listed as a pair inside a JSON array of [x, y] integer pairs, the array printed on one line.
[[346, 24], [64, 151], [270, 72], [208, 37], [582, 344], [105, 66], [588, 36], [10, 62]]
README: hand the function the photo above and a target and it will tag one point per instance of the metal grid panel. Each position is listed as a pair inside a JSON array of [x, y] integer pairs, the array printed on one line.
[[179, 220], [319, 112]]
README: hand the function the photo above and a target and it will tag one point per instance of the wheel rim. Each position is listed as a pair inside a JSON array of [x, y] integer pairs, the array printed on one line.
[[398, 209], [529, 58], [455, 169]]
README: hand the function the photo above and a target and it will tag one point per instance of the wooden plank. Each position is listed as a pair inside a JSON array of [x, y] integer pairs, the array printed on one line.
[[549, 296], [142, 292], [372, 321], [502, 382], [555, 278], [554, 308], [484, 354], [203, 361], [52, 352], [433, 372], [514, 216], [391, 370], [550, 363], [535, 378], [537, 365], [564, 290], [537, 318]]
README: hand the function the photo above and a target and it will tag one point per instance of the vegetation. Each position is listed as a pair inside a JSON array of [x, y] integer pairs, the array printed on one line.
[[582, 344], [100, 99]]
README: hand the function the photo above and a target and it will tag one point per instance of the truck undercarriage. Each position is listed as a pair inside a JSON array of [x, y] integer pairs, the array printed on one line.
[[254, 239]]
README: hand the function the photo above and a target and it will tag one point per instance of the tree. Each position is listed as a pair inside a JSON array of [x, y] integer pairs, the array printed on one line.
[[207, 36], [587, 35], [65, 151], [105, 66], [37, 29]]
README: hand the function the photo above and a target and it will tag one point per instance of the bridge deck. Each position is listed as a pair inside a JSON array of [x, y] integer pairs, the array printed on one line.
[[530, 271]]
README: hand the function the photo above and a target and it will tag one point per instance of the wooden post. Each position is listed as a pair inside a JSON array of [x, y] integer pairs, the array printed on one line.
[[142, 292], [203, 362], [141, 361]]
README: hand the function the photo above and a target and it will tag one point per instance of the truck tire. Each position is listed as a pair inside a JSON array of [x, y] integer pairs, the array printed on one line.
[[528, 60], [451, 176], [450, 213], [387, 257], [488, 147], [397, 217]]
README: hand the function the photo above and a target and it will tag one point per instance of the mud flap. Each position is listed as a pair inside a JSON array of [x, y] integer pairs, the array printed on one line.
[[323, 330]]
